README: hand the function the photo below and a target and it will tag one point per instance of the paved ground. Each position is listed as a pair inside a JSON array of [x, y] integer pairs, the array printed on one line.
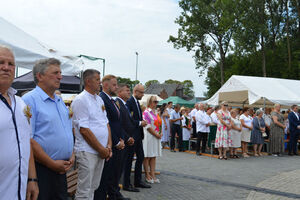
[[187, 176]]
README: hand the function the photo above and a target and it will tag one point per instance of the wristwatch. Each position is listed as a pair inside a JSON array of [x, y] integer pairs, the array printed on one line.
[[32, 179]]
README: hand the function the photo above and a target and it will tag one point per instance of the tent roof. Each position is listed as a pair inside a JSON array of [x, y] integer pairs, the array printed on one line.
[[67, 84], [177, 100], [257, 91], [28, 49]]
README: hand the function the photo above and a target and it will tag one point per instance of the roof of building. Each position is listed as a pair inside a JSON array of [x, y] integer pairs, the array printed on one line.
[[158, 88]]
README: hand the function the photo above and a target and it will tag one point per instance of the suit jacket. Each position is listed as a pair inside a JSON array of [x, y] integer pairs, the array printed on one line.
[[114, 120], [137, 116], [293, 122], [128, 124]]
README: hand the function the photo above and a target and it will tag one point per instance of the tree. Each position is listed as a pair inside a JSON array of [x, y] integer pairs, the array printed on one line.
[[148, 83], [128, 81], [206, 28], [188, 86]]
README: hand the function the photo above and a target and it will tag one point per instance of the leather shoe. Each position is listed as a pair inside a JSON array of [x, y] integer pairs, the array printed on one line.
[[142, 185], [130, 188]]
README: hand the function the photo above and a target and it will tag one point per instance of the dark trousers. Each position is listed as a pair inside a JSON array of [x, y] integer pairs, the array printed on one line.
[[129, 152], [51, 184], [201, 136], [293, 143], [194, 129], [176, 129], [112, 171]]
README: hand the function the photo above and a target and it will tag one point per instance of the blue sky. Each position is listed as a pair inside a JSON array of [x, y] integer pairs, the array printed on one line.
[[113, 30]]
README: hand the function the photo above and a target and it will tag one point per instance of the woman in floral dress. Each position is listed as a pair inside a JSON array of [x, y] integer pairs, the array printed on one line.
[[151, 142], [223, 136]]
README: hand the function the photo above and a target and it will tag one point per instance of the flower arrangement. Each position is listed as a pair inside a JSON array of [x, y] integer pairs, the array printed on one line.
[[70, 112], [27, 112], [157, 124]]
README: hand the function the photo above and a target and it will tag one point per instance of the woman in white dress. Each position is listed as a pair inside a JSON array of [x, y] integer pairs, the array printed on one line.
[[151, 142], [186, 128], [165, 125], [246, 121], [236, 132]]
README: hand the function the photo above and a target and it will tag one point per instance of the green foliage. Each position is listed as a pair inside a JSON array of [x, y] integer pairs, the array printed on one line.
[[148, 83], [128, 81], [242, 37]]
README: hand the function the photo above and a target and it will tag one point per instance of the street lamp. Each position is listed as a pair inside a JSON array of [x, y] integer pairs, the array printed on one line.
[[136, 68]]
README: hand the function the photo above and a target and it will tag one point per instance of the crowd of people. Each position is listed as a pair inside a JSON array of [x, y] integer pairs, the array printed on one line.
[[102, 131], [230, 129]]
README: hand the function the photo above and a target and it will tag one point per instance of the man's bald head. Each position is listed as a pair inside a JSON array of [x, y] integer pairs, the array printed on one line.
[[138, 91], [7, 67]]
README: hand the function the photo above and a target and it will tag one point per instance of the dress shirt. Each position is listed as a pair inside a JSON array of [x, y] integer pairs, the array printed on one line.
[[51, 124], [9, 156], [139, 109], [170, 110], [193, 114], [89, 112], [214, 118], [268, 119], [201, 120], [175, 115]]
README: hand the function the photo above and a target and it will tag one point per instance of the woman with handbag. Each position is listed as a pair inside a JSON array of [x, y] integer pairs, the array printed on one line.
[[258, 131]]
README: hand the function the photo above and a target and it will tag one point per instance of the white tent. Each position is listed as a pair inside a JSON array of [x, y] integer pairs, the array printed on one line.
[[28, 50], [257, 92]]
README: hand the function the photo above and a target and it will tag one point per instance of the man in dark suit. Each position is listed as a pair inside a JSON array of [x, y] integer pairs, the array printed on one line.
[[130, 126], [112, 171], [136, 112], [294, 123]]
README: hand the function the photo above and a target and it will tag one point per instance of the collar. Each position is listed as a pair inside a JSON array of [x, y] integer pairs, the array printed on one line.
[[107, 95], [11, 91], [122, 100], [89, 94], [135, 99], [44, 95]]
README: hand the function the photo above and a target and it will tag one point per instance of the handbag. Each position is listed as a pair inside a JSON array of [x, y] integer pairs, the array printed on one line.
[[264, 134]]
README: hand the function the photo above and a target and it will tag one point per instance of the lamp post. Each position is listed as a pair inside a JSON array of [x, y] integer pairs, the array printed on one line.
[[136, 68]]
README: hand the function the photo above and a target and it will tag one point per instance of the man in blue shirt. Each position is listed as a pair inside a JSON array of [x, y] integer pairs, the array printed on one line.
[[52, 138], [175, 119]]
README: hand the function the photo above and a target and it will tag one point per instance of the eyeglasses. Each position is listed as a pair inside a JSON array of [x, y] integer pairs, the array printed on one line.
[[142, 92], [226, 105]]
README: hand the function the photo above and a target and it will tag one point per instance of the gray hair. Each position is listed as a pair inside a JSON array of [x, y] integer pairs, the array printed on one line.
[[258, 112], [87, 74], [6, 48], [42, 65]]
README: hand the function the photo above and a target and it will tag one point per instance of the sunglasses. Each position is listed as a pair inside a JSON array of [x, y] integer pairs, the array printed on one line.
[[226, 105], [155, 102]]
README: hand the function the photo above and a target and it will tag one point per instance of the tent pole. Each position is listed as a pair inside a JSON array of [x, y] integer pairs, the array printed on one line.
[[103, 67], [81, 81]]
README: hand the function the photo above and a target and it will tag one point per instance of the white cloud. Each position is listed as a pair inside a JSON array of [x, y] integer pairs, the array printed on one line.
[[113, 30]]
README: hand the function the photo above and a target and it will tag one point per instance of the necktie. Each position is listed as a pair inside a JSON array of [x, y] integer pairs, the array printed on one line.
[[139, 109], [113, 102]]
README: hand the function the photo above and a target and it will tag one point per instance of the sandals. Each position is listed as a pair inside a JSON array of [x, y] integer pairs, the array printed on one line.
[[231, 156], [235, 156], [220, 157]]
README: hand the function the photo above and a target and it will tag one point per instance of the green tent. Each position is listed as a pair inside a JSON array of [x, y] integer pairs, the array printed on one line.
[[177, 100]]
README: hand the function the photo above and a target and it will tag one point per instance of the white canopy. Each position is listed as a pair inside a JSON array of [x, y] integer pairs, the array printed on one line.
[[257, 92], [28, 50]]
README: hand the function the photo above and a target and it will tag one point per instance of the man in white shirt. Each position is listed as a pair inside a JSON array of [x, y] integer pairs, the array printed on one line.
[[17, 168], [93, 140], [203, 122], [193, 115], [175, 119], [170, 107]]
